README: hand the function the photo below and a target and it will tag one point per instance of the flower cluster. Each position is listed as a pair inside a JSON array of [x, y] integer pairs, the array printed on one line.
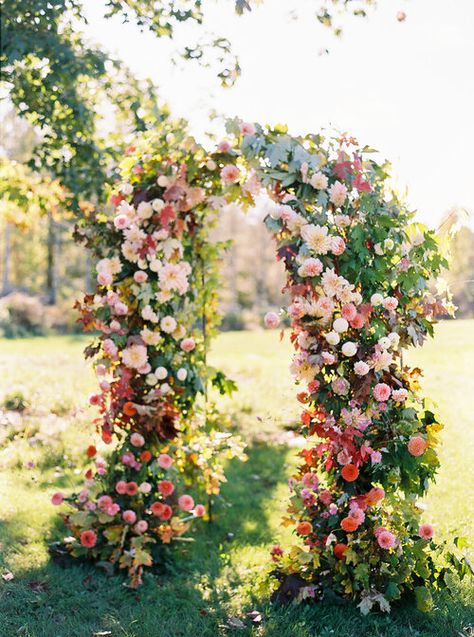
[[358, 273], [154, 311]]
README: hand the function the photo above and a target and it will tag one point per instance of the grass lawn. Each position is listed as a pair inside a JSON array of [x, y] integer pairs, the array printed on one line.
[[214, 584]]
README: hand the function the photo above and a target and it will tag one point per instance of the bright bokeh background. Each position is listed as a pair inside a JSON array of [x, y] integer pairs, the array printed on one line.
[[403, 88]]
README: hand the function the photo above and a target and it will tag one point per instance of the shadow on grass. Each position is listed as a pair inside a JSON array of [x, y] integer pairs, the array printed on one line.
[[187, 601]]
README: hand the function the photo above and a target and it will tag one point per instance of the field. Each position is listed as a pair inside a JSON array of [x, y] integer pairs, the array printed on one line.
[[214, 585]]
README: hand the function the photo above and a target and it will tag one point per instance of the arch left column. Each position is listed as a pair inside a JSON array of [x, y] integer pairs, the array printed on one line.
[[151, 315]]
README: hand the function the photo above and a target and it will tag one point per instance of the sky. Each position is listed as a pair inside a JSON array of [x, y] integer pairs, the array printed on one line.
[[406, 89]]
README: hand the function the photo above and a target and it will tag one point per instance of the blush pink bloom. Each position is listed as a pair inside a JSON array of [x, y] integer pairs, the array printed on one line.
[[141, 526], [165, 461], [386, 540], [310, 480], [137, 440], [199, 510], [375, 457], [230, 174], [121, 222], [110, 348], [129, 516], [88, 539], [121, 487], [120, 309], [224, 146], [186, 503], [416, 446], [247, 128], [140, 276], [104, 502], [390, 303], [426, 531], [271, 320], [104, 278], [57, 498], [310, 267], [188, 344], [338, 245], [382, 392], [145, 487], [349, 311]]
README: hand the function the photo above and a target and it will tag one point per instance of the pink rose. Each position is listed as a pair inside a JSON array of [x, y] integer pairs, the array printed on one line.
[[390, 303], [141, 526], [199, 510], [57, 498], [188, 344], [230, 174], [165, 461], [271, 320], [140, 276], [121, 487], [129, 516], [426, 531], [386, 540], [382, 392], [338, 245], [224, 146], [246, 128], [349, 311], [121, 222], [137, 440], [186, 503], [399, 395], [104, 278]]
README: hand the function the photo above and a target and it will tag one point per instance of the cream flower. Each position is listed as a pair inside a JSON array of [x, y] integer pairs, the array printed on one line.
[[168, 324], [316, 237], [319, 181], [135, 356]]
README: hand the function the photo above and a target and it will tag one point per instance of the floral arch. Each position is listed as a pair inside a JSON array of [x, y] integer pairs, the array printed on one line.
[[358, 271]]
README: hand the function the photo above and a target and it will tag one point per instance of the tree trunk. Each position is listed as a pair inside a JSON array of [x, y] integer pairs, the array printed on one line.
[[6, 286], [51, 262]]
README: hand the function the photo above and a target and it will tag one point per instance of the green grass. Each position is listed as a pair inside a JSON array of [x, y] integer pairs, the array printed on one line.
[[215, 579]]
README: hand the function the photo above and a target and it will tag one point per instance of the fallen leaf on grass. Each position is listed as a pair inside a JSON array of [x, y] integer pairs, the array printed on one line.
[[38, 586], [235, 622], [8, 576], [102, 633], [255, 616], [86, 582]]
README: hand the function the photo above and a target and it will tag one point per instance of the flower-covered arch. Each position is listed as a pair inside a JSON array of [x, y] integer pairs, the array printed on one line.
[[358, 273]]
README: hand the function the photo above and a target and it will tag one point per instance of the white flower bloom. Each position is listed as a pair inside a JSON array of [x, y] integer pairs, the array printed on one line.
[[181, 374], [385, 342], [126, 189], [161, 373], [162, 181], [349, 348], [145, 210], [340, 325], [151, 380], [332, 338], [157, 204], [388, 244], [378, 249], [376, 299], [165, 388], [394, 338]]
